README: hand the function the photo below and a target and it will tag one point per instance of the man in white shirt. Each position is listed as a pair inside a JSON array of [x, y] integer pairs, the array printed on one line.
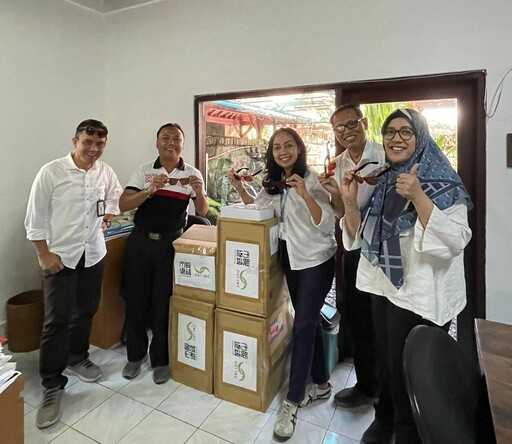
[[349, 128], [71, 200]]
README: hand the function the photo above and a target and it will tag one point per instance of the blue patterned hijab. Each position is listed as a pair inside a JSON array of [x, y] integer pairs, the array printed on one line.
[[387, 214]]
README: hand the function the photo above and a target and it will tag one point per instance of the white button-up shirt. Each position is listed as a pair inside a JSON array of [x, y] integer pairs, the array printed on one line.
[[63, 209], [433, 262], [372, 152]]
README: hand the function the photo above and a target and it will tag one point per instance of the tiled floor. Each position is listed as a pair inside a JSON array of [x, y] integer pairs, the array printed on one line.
[[115, 410]]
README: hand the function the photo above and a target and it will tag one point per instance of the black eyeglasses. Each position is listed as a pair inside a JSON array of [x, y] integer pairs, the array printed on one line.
[[90, 131], [351, 124], [404, 133], [373, 177], [246, 177]]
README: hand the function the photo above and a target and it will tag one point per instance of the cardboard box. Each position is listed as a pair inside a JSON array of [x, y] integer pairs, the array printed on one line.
[[246, 212], [191, 342], [11, 406], [194, 273], [272, 291], [252, 356], [248, 265]]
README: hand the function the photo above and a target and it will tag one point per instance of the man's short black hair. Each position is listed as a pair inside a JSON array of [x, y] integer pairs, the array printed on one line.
[[347, 106], [91, 123], [170, 125]]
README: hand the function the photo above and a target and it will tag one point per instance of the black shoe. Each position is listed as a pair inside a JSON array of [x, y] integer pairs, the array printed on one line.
[[378, 433], [353, 397]]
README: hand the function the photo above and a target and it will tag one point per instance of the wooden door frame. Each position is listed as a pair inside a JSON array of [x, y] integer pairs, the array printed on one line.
[[469, 90]]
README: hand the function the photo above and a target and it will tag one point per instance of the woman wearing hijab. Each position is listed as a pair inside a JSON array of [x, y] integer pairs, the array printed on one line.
[[307, 247], [412, 235]]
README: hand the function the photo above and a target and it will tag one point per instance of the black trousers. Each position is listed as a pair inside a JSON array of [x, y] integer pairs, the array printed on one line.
[[392, 326], [356, 311], [147, 286], [308, 289], [71, 298]]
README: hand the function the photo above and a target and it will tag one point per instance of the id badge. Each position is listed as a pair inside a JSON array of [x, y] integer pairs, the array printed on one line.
[[100, 208]]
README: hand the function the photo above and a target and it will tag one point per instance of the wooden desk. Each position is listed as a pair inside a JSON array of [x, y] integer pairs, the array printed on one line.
[[12, 414], [107, 324], [494, 344]]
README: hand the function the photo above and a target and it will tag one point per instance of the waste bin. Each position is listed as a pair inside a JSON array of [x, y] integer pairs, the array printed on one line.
[[25, 316], [331, 326]]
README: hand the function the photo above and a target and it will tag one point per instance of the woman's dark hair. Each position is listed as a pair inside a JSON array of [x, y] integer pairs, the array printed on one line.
[[274, 171]]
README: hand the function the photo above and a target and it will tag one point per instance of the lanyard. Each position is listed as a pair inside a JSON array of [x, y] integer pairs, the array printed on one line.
[[282, 204]]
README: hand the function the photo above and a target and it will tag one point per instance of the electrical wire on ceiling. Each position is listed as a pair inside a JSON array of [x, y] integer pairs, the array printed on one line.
[[495, 101]]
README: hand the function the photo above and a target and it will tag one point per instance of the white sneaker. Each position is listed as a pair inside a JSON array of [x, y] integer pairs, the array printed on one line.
[[285, 423], [314, 393]]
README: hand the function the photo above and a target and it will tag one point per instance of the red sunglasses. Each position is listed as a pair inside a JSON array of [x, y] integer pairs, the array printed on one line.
[[181, 180], [373, 177]]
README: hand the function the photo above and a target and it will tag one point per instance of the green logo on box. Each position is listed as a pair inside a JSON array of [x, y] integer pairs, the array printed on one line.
[[240, 370], [243, 280]]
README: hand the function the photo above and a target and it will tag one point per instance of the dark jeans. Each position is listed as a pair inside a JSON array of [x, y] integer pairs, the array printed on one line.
[[392, 326], [147, 283], [71, 298], [308, 289], [356, 310]]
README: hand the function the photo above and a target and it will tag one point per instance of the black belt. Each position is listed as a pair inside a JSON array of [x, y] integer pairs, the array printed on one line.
[[159, 236]]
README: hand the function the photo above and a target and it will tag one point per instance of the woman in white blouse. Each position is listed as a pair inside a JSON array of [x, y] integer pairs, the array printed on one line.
[[412, 234], [307, 247]]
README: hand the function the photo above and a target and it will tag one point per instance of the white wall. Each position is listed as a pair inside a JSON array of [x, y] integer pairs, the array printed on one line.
[[51, 78], [159, 56]]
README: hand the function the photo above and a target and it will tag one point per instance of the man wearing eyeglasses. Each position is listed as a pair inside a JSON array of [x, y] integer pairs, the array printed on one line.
[[349, 128], [71, 200], [161, 191]]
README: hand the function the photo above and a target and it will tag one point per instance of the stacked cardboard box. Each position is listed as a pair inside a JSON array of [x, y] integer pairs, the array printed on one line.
[[239, 349], [195, 263], [250, 278], [253, 318], [192, 307], [251, 355]]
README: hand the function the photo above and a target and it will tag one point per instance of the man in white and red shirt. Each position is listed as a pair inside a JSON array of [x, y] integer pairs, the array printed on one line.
[[161, 191]]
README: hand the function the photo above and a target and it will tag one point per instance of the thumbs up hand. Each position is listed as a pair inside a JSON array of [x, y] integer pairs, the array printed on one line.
[[408, 185]]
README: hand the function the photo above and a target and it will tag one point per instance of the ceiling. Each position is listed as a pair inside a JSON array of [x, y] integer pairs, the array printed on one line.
[[105, 6]]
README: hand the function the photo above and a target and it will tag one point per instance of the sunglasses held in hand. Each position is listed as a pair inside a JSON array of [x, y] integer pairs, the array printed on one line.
[[245, 177], [271, 185], [373, 177], [329, 165], [181, 180]]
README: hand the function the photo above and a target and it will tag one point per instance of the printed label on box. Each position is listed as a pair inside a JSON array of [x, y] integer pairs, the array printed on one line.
[[242, 263], [192, 341], [240, 360], [192, 270], [274, 239]]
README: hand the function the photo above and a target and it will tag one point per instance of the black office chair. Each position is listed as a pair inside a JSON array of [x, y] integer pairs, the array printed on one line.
[[444, 388], [193, 219]]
